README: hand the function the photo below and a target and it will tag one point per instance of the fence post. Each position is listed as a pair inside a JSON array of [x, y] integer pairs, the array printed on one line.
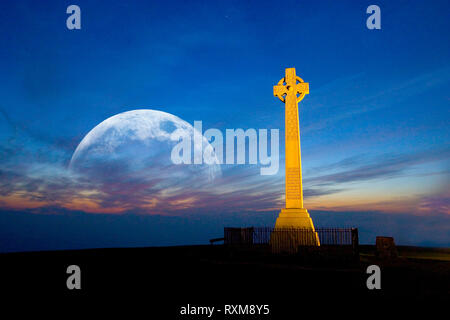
[[355, 241]]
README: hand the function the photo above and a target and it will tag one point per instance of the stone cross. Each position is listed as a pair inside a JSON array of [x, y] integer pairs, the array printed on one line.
[[294, 227], [291, 90]]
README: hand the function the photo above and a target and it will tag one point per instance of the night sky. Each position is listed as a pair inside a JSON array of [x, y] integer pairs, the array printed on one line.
[[374, 128]]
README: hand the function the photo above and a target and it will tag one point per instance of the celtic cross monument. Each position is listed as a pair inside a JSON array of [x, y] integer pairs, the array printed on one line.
[[291, 90]]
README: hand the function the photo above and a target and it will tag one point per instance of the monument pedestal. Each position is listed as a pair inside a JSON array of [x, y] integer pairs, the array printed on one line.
[[293, 228], [294, 218]]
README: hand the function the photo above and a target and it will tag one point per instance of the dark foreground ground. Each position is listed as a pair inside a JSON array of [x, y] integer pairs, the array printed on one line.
[[162, 280]]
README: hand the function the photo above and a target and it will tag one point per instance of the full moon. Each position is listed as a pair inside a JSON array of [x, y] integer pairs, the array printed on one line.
[[133, 149]]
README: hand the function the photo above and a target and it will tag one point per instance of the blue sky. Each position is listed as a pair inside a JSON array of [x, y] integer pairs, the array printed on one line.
[[374, 127]]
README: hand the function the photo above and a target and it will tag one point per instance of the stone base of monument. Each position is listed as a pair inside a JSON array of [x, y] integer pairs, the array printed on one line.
[[294, 218], [293, 228]]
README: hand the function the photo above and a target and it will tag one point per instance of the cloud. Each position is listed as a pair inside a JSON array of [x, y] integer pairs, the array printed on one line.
[[437, 203], [386, 166], [334, 96], [22, 139], [152, 191], [240, 189], [307, 193]]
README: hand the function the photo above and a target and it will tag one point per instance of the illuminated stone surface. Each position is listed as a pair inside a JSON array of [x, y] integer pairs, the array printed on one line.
[[291, 90]]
